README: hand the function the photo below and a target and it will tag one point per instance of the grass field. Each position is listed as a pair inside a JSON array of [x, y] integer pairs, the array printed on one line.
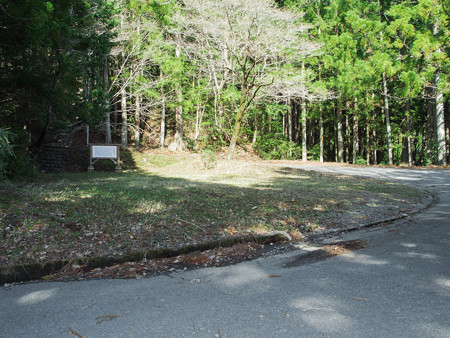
[[169, 200]]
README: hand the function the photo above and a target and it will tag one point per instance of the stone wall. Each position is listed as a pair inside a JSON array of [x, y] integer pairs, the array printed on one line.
[[62, 154]]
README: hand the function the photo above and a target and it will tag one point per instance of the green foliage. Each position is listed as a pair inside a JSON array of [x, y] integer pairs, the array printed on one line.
[[15, 162], [274, 147], [44, 63], [274, 110], [209, 159], [56, 60], [314, 153], [214, 138], [6, 151], [360, 160]]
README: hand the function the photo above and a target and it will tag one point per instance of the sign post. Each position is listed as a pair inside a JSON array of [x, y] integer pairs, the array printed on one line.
[[105, 151]]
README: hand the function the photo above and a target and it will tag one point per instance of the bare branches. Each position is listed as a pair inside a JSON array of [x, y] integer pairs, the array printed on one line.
[[257, 36]]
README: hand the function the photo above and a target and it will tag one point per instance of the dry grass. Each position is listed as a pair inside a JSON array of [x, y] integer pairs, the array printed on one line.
[[170, 200]]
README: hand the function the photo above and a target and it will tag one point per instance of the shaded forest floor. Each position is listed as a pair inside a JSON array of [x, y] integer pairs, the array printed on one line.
[[168, 201]]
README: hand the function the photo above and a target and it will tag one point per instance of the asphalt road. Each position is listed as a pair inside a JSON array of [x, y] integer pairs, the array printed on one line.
[[397, 286]]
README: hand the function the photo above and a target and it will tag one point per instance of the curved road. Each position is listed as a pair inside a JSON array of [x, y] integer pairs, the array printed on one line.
[[397, 286]]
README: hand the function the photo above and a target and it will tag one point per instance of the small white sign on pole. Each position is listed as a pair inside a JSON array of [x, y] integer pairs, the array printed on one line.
[[104, 151]]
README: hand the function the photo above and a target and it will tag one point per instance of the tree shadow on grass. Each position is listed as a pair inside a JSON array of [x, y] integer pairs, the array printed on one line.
[[103, 214]]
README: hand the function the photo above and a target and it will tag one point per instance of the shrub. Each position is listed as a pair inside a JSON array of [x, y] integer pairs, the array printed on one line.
[[15, 162], [360, 160], [6, 151], [209, 159], [274, 148], [214, 138]]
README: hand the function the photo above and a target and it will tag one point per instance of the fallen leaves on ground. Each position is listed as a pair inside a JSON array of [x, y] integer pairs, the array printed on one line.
[[150, 267]]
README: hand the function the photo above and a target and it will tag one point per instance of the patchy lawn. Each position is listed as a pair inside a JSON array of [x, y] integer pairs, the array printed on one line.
[[171, 201]]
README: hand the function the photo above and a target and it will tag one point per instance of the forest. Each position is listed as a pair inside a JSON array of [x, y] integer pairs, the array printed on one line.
[[354, 81]]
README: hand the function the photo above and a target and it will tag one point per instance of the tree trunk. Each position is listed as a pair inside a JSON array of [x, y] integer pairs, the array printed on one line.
[[237, 124], [430, 103], [123, 102], [123, 107], [290, 121], [340, 138], [178, 144], [347, 134], [409, 132], [374, 134], [388, 121], [108, 139], [296, 122], [321, 133], [199, 113], [44, 131], [137, 117], [255, 131], [163, 116], [439, 119], [368, 103], [355, 133], [367, 142], [304, 138], [89, 79]]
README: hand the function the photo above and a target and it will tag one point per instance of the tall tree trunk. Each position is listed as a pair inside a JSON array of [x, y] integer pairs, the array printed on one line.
[[199, 112], [41, 138], [89, 78], [123, 107], [179, 121], [137, 117], [368, 130], [178, 144], [367, 142], [303, 126], [163, 124], [340, 137], [347, 133], [237, 124], [409, 131], [297, 122], [162, 134], [321, 133], [439, 119], [137, 111], [123, 102], [388, 121], [255, 131], [374, 134], [198, 120], [355, 132], [304, 138], [430, 103], [108, 139], [355, 138], [290, 121]]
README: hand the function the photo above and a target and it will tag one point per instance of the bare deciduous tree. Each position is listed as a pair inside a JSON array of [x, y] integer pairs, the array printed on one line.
[[247, 42]]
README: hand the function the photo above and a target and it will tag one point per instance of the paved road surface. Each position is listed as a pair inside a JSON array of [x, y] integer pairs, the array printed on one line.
[[397, 286]]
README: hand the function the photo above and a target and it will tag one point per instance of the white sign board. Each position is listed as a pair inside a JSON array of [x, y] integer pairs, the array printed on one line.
[[104, 151]]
